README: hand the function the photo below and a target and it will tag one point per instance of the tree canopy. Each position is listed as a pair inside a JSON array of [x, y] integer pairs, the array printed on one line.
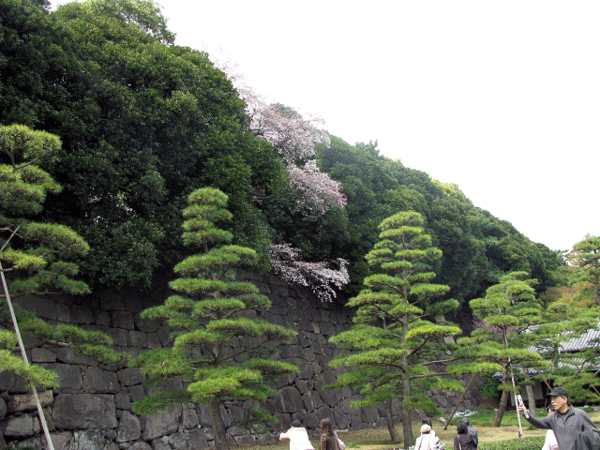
[[211, 313], [144, 122], [392, 342], [36, 257]]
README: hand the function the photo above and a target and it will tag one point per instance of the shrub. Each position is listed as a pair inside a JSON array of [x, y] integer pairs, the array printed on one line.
[[532, 443]]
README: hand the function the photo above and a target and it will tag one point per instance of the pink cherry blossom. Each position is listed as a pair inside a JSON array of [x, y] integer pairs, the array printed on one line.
[[323, 280]]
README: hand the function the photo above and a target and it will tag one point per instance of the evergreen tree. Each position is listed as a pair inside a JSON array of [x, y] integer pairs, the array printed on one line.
[[569, 319], [509, 310], [586, 257], [392, 345], [34, 256], [210, 314]]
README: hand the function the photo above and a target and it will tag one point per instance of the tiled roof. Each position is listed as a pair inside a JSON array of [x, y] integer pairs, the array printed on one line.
[[588, 339]]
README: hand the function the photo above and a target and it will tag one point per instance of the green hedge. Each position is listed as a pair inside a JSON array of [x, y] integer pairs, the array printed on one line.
[[532, 443]]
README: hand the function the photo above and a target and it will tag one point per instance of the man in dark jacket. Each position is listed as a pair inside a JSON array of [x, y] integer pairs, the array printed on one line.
[[567, 422], [472, 431]]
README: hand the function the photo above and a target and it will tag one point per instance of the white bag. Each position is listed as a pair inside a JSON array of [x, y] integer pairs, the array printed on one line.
[[341, 444]]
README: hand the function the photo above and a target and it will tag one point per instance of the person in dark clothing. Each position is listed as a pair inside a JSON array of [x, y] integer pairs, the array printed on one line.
[[328, 436], [472, 431], [463, 440], [567, 422]]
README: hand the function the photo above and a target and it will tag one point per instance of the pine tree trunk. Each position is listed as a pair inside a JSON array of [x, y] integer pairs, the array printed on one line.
[[501, 409], [389, 418], [218, 427], [531, 400], [406, 415]]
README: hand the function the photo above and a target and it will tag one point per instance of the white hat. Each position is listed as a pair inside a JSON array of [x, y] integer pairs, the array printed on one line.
[[425, 428]]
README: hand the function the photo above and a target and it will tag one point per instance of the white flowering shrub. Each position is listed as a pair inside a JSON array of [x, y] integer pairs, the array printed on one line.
[[294, 138], [321, 279]]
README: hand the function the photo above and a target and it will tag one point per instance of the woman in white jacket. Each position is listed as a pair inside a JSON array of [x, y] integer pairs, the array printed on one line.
[[298, 437], [550, 442], [427, 440]]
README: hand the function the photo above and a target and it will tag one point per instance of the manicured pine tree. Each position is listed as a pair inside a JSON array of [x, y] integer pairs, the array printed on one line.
[[586, 258], [211, 315], [510, 309], [574, 315], [34, 256], [34, 259], [393, 344]]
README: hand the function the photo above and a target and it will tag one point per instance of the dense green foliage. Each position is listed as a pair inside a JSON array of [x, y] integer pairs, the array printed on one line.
[[212, 313], [391, 344], [477, 247], [144, 122], [586, 258], [36, 256], [509, 309], [574, 316]]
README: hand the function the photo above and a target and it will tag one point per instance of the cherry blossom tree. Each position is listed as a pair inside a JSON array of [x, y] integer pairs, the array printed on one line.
[[294, 138], [319, 276]]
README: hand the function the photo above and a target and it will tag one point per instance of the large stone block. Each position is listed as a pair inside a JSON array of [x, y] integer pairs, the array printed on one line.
[[102, 317], [311, 400], [130, 376], [21, 426], [7, 380], [89, 439], [146, 325], [99, 381], [161, 424], [84, 411], [68, 356], [62, 441], [111, 301], [288, 400], [42, 307], [130, 428], [190, 417], [138, 339], [161, 444], [122, 401], [81, 315], [69, 377], [197, 440], [122, 319], [27, 402], [42, 355]]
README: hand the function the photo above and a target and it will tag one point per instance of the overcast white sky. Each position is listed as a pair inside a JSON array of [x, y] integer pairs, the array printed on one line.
[[501, 98]]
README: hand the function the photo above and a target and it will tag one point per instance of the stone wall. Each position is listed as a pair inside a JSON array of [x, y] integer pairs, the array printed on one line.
[[92, 408]]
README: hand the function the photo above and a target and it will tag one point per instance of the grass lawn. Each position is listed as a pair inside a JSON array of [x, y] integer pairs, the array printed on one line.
[[379, 438]]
